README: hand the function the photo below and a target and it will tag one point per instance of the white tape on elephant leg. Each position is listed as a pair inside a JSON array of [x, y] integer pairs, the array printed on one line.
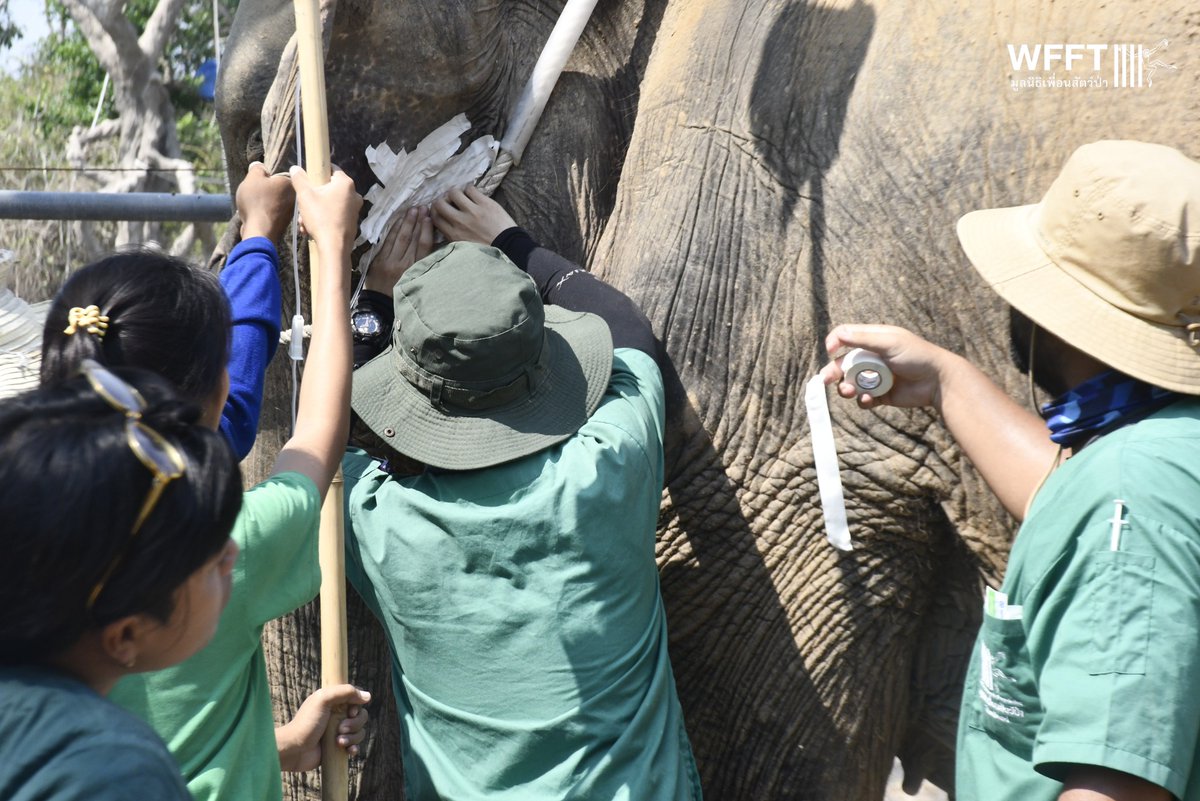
[[829, 480]]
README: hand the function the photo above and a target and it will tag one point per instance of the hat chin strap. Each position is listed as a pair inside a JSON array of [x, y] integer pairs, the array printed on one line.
[[1033, 403], [437, 385], [1033, 329]]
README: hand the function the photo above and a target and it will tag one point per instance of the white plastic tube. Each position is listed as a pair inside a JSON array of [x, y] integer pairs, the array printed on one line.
[[529, 106]]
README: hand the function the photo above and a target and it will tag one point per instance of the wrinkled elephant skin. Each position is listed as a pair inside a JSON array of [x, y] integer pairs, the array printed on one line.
[[752, 172]]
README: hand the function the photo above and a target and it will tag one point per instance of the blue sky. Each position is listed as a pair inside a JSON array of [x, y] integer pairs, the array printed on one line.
[[30, 16]]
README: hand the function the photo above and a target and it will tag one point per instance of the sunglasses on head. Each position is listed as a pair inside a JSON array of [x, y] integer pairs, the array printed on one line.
[[153, 450]]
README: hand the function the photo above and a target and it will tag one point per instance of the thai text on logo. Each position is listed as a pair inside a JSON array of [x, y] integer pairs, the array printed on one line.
[[1119, 66]]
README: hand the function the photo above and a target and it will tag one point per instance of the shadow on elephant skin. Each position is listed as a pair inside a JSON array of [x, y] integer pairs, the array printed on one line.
[[760, 721], [730, 639], [797, 132]]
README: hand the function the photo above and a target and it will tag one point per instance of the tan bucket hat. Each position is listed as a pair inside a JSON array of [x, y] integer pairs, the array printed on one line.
[[1109, 261]]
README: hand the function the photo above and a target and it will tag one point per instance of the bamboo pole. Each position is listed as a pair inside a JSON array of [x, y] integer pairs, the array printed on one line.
[[335, 668]]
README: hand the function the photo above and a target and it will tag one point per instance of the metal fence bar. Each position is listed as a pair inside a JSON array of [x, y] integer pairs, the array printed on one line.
[[149, 206]]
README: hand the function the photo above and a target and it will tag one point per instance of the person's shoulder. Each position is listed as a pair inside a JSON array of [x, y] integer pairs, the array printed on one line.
[[121, 767], [631, 363], [358, 464], [91, 747], [255, 245], [126, 746], [1178, 420], [24, 689], [635, 378], [289, 483], [635, 384], [1149, 466], [287, 493], [1164, 442], [280, 501], [629, 418]]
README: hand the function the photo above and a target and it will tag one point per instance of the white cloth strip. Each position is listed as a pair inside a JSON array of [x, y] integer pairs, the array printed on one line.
[[829, 480]]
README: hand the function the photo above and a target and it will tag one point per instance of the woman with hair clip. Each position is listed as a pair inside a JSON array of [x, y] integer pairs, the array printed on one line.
[[147, 310], [117, 509]]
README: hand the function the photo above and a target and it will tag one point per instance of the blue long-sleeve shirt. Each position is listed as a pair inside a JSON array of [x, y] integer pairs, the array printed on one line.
[[251, 282]]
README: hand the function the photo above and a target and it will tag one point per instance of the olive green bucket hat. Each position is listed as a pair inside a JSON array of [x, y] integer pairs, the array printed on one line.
[[478, 371]]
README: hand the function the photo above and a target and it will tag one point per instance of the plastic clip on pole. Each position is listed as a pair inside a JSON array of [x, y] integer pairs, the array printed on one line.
[[296, 346]]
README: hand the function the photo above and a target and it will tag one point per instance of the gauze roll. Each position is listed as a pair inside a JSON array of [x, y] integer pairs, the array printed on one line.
[[867, 372]]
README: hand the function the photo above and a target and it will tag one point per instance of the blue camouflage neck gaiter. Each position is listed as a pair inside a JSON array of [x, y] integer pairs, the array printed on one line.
[[1099, 405]]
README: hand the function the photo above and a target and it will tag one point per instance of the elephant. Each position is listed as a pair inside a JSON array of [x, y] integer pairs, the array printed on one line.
[[752, 172]]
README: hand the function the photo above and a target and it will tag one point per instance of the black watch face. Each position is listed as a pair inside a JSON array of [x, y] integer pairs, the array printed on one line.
[[366, 323]]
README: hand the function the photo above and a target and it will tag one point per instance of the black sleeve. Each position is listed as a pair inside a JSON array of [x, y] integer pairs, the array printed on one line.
[[367, 348], [562, 283]]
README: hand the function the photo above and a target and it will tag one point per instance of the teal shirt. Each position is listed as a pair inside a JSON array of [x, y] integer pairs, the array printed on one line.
[[1100, 662], [60, 741], [214, 709], [523, 610]]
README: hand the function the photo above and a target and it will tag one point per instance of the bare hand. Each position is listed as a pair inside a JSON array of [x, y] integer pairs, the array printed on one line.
[[409, 240], [299, 740], [470, 216], [918, 367], [328, 213], [265, 203]]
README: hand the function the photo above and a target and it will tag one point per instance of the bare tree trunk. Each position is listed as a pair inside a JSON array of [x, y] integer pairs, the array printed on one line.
[[148, 143]]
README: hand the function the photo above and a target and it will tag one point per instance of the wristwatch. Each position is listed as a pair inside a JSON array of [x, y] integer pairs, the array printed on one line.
[[366, 324]]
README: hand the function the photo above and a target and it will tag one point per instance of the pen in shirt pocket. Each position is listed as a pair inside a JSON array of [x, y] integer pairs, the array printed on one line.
[[1118, 523]]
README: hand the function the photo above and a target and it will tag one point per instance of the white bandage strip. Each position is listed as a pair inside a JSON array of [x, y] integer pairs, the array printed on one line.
[[829, 480]]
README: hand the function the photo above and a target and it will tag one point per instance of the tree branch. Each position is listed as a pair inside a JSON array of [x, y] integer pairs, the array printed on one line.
[[109, 34], [159, 28]]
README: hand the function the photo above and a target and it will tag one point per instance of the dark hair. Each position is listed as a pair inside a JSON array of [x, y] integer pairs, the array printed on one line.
[[163, 315], [70, 491]]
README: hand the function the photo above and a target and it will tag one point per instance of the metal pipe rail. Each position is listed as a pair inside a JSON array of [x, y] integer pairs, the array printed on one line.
[[145, 206]]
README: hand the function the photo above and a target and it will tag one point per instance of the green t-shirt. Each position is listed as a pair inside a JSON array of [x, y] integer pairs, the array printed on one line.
[[60, 741], [214, 710], [1093, 656], [523, 610]]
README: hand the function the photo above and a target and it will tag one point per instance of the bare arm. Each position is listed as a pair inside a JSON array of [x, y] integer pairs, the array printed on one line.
[[1008, 444], [1092, 783], [329, 214]]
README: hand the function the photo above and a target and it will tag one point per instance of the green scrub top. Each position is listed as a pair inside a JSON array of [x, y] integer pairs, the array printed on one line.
[[1090, 652], [523, 610]]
